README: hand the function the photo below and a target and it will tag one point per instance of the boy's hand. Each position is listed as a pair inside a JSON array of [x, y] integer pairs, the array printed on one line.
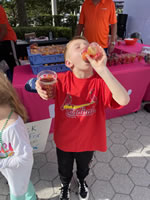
[[100, 63], [43, 93]]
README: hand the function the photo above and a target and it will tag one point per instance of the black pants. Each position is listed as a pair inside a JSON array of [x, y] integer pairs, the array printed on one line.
[[65, 164], [8, 53]]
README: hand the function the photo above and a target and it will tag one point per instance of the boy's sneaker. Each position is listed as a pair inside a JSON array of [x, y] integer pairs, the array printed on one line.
[[65, 193], [83, 191]]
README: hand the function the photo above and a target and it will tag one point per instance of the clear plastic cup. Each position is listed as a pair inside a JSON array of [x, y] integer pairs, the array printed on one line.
[[93, 50], [119, 41], [48, 79]]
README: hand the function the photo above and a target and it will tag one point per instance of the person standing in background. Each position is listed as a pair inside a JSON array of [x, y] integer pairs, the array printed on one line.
[[7, 43], [95, 18]]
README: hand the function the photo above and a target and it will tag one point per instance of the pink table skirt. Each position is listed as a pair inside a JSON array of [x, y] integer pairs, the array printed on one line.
[[136, 79], [147, 94]]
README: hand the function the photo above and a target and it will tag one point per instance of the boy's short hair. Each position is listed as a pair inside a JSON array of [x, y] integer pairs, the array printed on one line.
[[74, 38]]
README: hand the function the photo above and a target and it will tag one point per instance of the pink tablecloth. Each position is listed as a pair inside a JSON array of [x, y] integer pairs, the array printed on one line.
[[136, 48], [37, 108], [147, 94], [134, 77]]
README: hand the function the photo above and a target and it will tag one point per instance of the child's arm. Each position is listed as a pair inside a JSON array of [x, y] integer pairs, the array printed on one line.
[[16, 161], [42, 93], [119, 93], [23, 155]]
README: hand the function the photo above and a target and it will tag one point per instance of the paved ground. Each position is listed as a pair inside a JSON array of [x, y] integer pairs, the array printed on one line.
[[122, 173]]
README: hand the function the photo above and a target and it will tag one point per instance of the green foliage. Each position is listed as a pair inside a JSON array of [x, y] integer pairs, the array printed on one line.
[[38, 7], [11, 10], [44, 31], [70, 7], [39, 13]]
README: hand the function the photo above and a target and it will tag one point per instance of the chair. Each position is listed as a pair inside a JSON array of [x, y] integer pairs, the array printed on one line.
[[136, 35]]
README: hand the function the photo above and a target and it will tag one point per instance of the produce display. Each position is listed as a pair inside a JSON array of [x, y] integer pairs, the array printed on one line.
[[124, 58], [47, 50]]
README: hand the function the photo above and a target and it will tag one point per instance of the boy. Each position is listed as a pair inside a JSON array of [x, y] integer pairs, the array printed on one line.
[[81, 97]]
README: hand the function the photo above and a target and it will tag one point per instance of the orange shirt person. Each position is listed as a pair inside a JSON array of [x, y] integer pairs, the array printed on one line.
[[7, 43], [95, 18]]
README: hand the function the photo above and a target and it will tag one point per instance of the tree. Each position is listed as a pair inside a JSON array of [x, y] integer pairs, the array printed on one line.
[[24, 12], [10, 8], [22, 16], [68, 7]]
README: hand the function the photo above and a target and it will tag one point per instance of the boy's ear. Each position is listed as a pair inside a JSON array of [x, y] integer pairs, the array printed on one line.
[[68, 63]]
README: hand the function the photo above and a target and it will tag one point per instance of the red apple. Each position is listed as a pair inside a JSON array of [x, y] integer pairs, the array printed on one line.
[[95, 51]]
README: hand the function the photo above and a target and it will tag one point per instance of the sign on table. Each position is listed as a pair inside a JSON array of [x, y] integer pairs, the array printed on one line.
[[38, 134]]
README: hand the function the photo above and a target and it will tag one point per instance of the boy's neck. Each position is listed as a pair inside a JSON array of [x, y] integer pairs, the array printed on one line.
[[83, 74]]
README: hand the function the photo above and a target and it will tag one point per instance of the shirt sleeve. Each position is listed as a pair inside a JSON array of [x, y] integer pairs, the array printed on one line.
[[113, 18], [82, 16], [108, 100], [22, 150], [3, 17]]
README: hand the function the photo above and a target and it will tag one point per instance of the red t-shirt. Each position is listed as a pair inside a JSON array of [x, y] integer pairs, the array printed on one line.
[[11, 35], [80, 113]]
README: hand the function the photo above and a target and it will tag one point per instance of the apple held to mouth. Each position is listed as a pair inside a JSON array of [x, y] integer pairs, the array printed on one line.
[[84, 53], [93, 50]]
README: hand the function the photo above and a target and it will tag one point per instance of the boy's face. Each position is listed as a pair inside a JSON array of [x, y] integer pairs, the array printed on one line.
[[74, 57]]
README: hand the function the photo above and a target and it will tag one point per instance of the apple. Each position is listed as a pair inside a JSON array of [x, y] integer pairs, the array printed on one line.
[[93, 50], [83, 54]]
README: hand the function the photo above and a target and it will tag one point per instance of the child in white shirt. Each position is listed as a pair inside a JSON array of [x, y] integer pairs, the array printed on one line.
[[16, 156]]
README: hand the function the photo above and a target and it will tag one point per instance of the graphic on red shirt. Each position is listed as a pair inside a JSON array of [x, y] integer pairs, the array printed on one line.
[[86, 109]]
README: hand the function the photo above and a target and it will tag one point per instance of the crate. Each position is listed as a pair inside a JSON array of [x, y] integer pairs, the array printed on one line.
[[36, 59], [57, 68]]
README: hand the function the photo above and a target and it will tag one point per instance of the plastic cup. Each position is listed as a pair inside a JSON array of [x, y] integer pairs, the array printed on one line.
[[119, 42], [133, 57], [48, 79], [93, 50], [140, 56]]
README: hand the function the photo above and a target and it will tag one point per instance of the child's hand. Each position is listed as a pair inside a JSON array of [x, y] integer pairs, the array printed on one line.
[[43, 93], [98, 64]]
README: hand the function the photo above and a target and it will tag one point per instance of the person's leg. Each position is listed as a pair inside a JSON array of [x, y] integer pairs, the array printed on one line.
[[65, 167], [106, 50], [29, 195], [83, 160], [10, 56]]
